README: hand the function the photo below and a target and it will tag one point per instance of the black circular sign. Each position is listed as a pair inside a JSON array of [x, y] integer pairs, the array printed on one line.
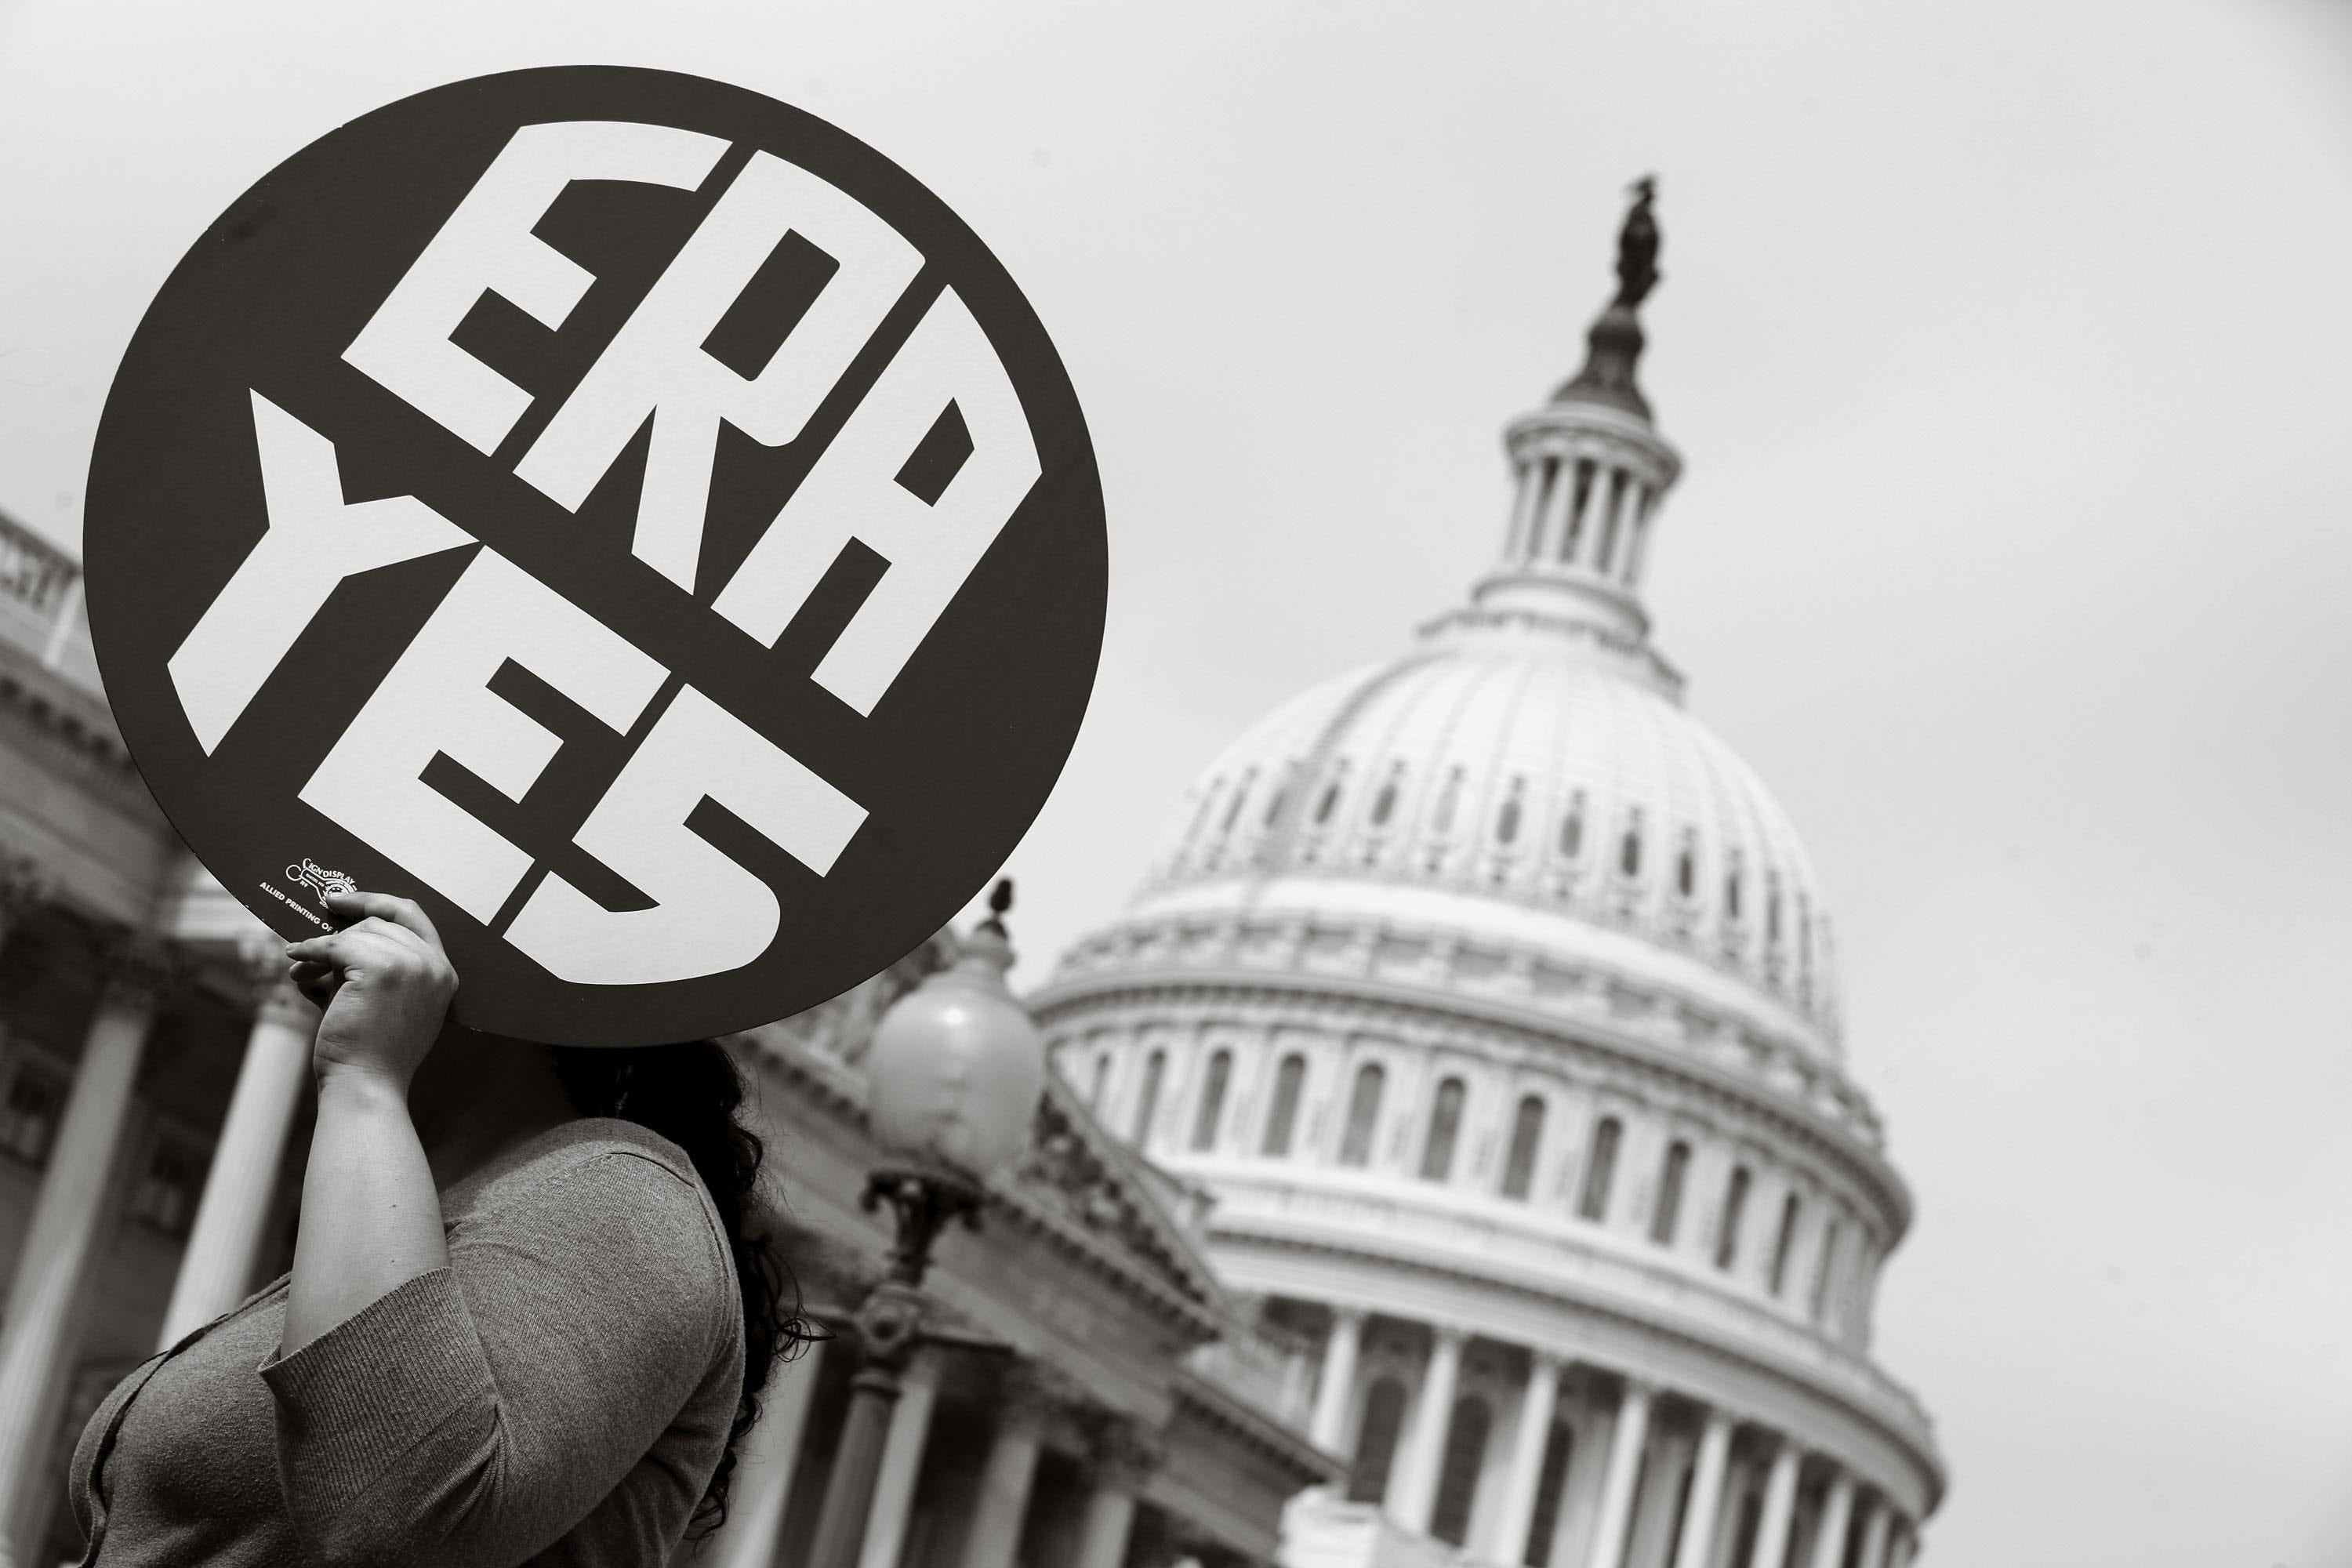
[[624, 514]]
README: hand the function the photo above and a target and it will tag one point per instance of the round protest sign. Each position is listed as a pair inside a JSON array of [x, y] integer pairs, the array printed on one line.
[[629, 516]]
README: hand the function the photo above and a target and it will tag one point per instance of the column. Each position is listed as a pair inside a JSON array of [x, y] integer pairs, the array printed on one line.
[[1626, 1439], [995, 1535], [902, 1462], [216, 1266], [1903, 1547], [1330, 1427], [1705, 1492], [1557, 514], [1125, 1464], [1874, 1530], [1779, 1505], [1650, 1543], [764, 1484], [1837, 1513], [1518, 1510], [37, 1337], [1518, 546], [1413, 1493]]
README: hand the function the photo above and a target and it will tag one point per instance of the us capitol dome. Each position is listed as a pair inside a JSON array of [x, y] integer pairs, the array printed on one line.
[[1486, 999]]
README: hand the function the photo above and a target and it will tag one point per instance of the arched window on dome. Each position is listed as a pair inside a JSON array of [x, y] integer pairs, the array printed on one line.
[[1449, 800], [1792, 1210], [1282, 1119], [1507, 821], [1274, 804], [1445, 1131], [1240, 797], [1526, 1139], [1457, 1470], [1629, 849], [1771, 910], [1735, 1209], [1363, 1115], [1731, 892], [1376, 1441], [1572, 828], [1200, 811], [1818, 1308], [1551, 1485], [1329, 802], [1668, 1211], [1147, 1105], [1804, 948], [1385, 804], [1599, 1170], [1212, 1101], [1686, 867], [1101, 1078]]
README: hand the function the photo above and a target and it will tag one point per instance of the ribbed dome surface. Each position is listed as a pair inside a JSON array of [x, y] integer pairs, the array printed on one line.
[[1511, 762]]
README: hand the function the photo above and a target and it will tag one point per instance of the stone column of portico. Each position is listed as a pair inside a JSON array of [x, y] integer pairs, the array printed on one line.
[[902, 1461], [1876, 1525], [1837, 1513], [1412, 1492], [37, 1337], [1127, 1457], [1780, 1505], [1517, 1512], [1329, 1429], [1705, 1492], [1626, 1439], [995, 1535], [763, 1487], [216, 1267]]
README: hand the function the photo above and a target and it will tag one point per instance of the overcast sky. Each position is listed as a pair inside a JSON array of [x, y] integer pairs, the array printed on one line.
[[2010, 349]]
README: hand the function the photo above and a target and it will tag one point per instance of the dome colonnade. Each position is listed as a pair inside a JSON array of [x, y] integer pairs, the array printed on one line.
[[1489, 997]]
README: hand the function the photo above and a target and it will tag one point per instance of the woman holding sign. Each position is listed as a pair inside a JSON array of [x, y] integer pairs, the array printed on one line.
[[524, 1324]]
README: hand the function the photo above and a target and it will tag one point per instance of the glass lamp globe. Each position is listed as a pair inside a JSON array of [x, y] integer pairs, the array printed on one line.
[[956, 1066]]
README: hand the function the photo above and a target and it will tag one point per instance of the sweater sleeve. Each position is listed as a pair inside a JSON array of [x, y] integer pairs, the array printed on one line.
[[475, 1414]]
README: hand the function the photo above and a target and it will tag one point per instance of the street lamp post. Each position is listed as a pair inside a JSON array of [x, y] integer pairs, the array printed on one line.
[[952, 1074]]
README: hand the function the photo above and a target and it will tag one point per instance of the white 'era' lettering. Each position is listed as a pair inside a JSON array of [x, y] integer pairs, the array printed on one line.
[[852, 493], [487, 244], [655, 366]]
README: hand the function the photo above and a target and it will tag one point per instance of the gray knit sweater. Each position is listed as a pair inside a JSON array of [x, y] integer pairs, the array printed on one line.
[[559, 1393]]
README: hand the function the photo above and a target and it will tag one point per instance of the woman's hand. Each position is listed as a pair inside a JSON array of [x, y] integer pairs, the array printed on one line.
[[384, 984]]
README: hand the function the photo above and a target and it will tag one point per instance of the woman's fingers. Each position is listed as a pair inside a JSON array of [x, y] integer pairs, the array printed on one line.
[[356, 906], [333, 951]]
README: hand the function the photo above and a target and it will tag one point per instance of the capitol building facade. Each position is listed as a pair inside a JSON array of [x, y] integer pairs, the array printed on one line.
[[1488, 1000]]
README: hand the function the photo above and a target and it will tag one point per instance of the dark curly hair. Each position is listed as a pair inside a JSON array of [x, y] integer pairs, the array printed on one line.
[[690, 1094]]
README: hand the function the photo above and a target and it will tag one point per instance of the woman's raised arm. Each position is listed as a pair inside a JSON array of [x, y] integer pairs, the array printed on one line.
[[371, 1218]]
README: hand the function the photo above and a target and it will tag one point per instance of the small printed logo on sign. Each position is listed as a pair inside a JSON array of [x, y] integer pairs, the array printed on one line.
[[319, 880], [626, 514]]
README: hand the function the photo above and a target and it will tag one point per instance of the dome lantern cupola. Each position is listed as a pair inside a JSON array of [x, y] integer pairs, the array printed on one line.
[[1591, 471]]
